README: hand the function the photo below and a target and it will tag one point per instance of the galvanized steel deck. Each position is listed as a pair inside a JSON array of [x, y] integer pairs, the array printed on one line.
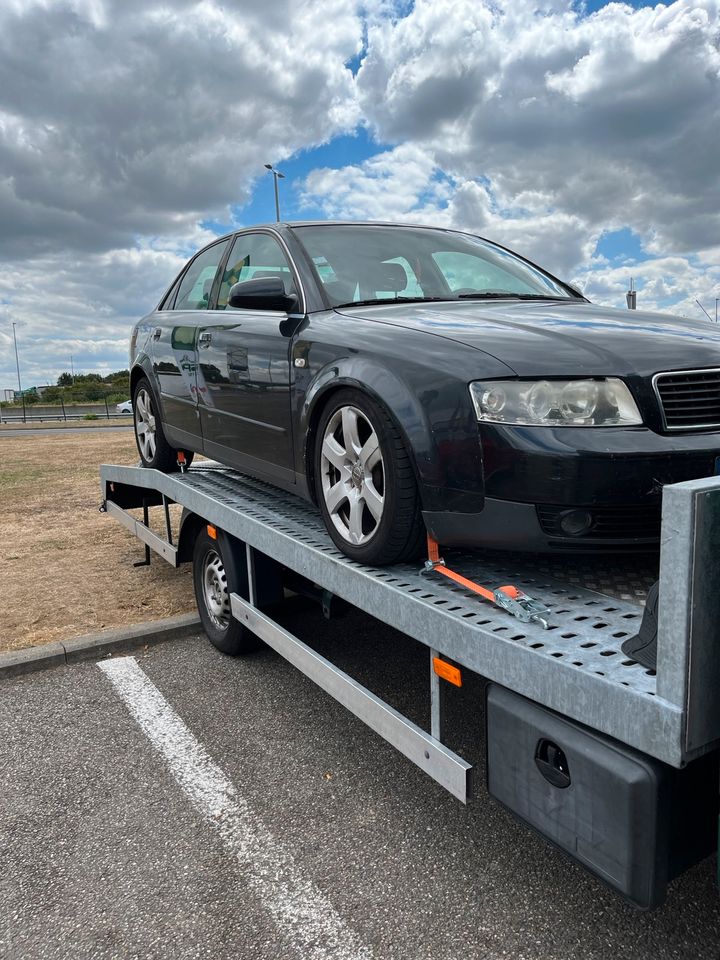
[[575, 667]]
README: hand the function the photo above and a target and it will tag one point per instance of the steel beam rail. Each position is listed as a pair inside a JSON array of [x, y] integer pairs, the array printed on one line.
[[153, 540], [575, 668], [425, 751]]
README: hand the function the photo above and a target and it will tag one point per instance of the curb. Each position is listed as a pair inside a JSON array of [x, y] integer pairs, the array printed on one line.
[[103, 644]]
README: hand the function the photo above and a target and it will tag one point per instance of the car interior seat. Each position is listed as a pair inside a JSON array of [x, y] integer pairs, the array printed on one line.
[[283, 275], [390, 278]]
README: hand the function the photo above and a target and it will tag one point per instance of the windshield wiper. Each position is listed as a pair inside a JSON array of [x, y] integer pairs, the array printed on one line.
[[493, 295], [386, 300]]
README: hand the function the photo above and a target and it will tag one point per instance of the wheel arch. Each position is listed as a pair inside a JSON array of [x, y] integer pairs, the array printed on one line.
[[190, 525], [140, 369], [387, 390], [268, 572], [434, 417]]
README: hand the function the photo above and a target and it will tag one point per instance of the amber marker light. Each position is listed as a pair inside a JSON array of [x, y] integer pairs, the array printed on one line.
[[212, 531], [447, 671]]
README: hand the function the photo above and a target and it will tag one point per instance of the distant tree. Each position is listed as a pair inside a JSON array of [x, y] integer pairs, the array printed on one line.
[[117, 377], [65, 380]]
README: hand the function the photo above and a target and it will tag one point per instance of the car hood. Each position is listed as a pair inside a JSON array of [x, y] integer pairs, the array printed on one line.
[[546, 338]]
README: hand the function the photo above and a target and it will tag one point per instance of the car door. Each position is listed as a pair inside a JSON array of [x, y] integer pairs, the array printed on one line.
[[244, 368], [174, 340]]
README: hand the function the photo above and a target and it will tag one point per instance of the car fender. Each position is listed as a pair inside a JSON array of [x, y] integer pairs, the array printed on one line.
[[437, 423], [142, 367]]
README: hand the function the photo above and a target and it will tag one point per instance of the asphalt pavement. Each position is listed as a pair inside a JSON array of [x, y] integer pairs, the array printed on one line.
[[178, 803]]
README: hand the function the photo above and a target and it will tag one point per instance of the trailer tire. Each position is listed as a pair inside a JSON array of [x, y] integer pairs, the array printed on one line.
[[219, 570]]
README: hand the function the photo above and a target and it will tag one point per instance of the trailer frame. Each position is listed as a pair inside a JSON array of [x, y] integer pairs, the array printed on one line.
[[575, 668]]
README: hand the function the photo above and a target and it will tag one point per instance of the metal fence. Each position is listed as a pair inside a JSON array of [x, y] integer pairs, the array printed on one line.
[[38, 412]]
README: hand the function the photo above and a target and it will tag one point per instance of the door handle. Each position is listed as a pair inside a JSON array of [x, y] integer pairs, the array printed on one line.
[[157, 333], [204, 339]]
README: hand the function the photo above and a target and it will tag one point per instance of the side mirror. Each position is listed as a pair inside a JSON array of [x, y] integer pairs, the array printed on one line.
[[262, 293]]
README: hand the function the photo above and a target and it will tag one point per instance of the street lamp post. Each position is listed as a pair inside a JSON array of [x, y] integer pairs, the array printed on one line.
[[276, 176], [17, 366]]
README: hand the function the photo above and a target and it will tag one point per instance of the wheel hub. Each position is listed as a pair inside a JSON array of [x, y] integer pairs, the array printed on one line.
[[352, 475], [217, 599], [145, 428], [357, 476]]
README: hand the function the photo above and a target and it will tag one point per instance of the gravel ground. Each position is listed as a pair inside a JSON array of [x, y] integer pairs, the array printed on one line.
[[103, 855]]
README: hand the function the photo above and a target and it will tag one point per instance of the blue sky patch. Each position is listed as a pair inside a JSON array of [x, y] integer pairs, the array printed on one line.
[[591, 6], [620, 246], [260, 208]]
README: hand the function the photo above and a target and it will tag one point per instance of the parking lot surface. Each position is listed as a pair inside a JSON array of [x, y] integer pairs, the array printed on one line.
[[179, 803]]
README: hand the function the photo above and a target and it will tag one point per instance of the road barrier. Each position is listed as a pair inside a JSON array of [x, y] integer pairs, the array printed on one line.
[[38, 413]]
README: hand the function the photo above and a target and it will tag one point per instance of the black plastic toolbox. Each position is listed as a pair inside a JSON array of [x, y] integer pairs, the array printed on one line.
[[632, 820]]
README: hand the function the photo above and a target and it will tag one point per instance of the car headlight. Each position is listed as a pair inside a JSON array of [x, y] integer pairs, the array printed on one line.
[[555, 403]]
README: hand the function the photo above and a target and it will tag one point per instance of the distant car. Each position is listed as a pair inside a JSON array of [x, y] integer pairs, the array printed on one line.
[[124, 407], [411, 378]]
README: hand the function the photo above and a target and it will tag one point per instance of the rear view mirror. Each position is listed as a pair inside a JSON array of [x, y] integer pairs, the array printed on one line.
[[262, 293]]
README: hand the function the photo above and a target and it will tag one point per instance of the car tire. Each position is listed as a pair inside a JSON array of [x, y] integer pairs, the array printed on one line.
[[218, 571], [365, 482], [155, 452]]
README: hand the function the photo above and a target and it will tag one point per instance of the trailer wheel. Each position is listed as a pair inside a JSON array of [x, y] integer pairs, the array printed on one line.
[[217, 574]]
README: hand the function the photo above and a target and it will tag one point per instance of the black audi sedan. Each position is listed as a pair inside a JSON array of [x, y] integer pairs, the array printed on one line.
[[410, 379]]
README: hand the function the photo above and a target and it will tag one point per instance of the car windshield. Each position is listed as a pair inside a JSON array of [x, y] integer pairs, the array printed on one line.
[[368, 264]]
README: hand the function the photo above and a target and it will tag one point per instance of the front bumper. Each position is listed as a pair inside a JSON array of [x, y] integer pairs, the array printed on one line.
[[576, 466], [509, 525], [535, 476]]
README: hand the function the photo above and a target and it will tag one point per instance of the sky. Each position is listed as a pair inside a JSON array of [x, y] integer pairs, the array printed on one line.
[[584, 135]]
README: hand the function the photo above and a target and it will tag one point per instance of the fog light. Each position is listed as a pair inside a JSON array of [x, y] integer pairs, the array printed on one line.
[[575, 523]]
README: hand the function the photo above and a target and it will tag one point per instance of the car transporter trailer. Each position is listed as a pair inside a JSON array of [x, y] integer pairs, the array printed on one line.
[[615, 763]]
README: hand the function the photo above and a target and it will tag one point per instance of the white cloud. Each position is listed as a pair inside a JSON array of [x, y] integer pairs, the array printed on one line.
[[120, 119], [79, 305], [406, 185], [125, 125], [615, 117], [667, 284]]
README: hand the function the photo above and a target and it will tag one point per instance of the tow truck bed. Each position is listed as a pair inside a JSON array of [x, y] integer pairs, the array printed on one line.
[[574, 668]]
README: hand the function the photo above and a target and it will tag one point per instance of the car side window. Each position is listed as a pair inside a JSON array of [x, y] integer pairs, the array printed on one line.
[[255, 255], [169, 300], [197, 284]]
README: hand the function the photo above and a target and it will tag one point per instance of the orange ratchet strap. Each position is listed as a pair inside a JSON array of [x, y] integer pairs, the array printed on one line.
[[509, 598]]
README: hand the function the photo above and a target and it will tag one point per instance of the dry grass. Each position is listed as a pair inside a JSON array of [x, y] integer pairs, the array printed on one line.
[[65, 568]]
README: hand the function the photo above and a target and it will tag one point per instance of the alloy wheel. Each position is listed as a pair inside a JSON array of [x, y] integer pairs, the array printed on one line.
[[145, 424], [353, 475]]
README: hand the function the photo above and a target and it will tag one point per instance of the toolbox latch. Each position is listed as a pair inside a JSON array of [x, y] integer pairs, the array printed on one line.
[[552, 764]]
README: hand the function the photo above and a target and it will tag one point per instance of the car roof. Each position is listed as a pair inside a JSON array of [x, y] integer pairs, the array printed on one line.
[[335, 223]]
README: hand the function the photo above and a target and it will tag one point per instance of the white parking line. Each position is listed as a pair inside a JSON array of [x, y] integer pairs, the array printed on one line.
[[300, 910]]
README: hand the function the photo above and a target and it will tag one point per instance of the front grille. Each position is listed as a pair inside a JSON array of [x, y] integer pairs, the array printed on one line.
[[608, 523], [690, 399]]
